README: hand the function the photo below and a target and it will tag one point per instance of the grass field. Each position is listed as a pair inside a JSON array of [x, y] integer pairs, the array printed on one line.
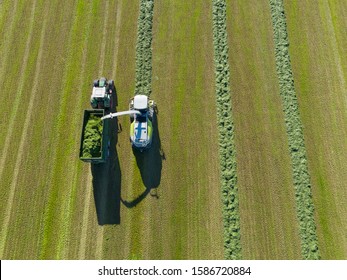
[[169, 202], [168, 209], [317, 37], [267, 206]]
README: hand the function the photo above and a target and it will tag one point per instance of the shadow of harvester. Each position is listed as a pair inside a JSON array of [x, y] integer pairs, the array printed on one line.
[[150, 164], [107, 179]]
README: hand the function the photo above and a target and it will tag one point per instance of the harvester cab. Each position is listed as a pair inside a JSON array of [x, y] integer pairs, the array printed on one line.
[[141, 128], [102, 94], [141, 111]]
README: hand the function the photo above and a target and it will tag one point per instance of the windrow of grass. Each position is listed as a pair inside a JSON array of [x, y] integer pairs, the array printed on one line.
[[144, 48], [294, 127], [318, 47], [231, 218]]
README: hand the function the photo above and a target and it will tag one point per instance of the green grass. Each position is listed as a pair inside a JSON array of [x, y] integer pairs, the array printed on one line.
[[301, 176], [144, 48], [54, 211], [268, 222], [227, 153], [317, 44]]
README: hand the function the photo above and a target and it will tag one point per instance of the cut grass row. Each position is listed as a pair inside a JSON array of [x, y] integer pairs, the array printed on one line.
[[301, 176], [266, 194], [227, 153], [317, 35], [180, 217], [177, 218], [144, 48]]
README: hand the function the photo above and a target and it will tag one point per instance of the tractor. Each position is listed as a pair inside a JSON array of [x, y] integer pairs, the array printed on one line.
[[101, 97]]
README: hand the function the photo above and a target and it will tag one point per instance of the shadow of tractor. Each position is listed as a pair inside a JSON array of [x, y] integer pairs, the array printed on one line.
[[107, 178], [149, 163]]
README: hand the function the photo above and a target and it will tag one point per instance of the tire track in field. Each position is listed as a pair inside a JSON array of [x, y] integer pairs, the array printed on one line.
[[3, 15], [100, 231], [228, 177], [143, 85], [7, 45], [20, 152], [63, 250], [85, 219], [18, 95], [294, 128], [337, 56]]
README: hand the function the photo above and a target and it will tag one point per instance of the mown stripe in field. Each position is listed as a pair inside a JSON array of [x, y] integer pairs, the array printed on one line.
[[12, 189], [143, 85], [97, 11], [227, 153], [7, 9], [70, 199], [100, 231], [85, 218], [9, 36], [51, 225], [318, 43], [301, 176], [121, 68], [32, 184], [104, 177], [18, 93], [107, 66], [268, 217], [116, 39]]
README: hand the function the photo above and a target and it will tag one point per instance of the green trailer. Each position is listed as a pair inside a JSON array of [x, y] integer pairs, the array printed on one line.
[[95, 142]]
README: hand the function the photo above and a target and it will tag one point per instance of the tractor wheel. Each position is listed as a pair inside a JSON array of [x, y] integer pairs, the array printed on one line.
[[96, 83]]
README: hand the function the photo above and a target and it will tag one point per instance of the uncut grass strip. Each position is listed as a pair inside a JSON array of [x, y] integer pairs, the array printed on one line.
[[19, 93], [294, 127], [228, 176], [143, 78], [22, 142]]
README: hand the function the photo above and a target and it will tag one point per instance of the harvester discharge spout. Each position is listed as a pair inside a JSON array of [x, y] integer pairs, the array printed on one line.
[[112, 115]]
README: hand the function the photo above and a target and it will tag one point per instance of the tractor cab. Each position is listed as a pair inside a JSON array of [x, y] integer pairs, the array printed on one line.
[[102, 94]]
